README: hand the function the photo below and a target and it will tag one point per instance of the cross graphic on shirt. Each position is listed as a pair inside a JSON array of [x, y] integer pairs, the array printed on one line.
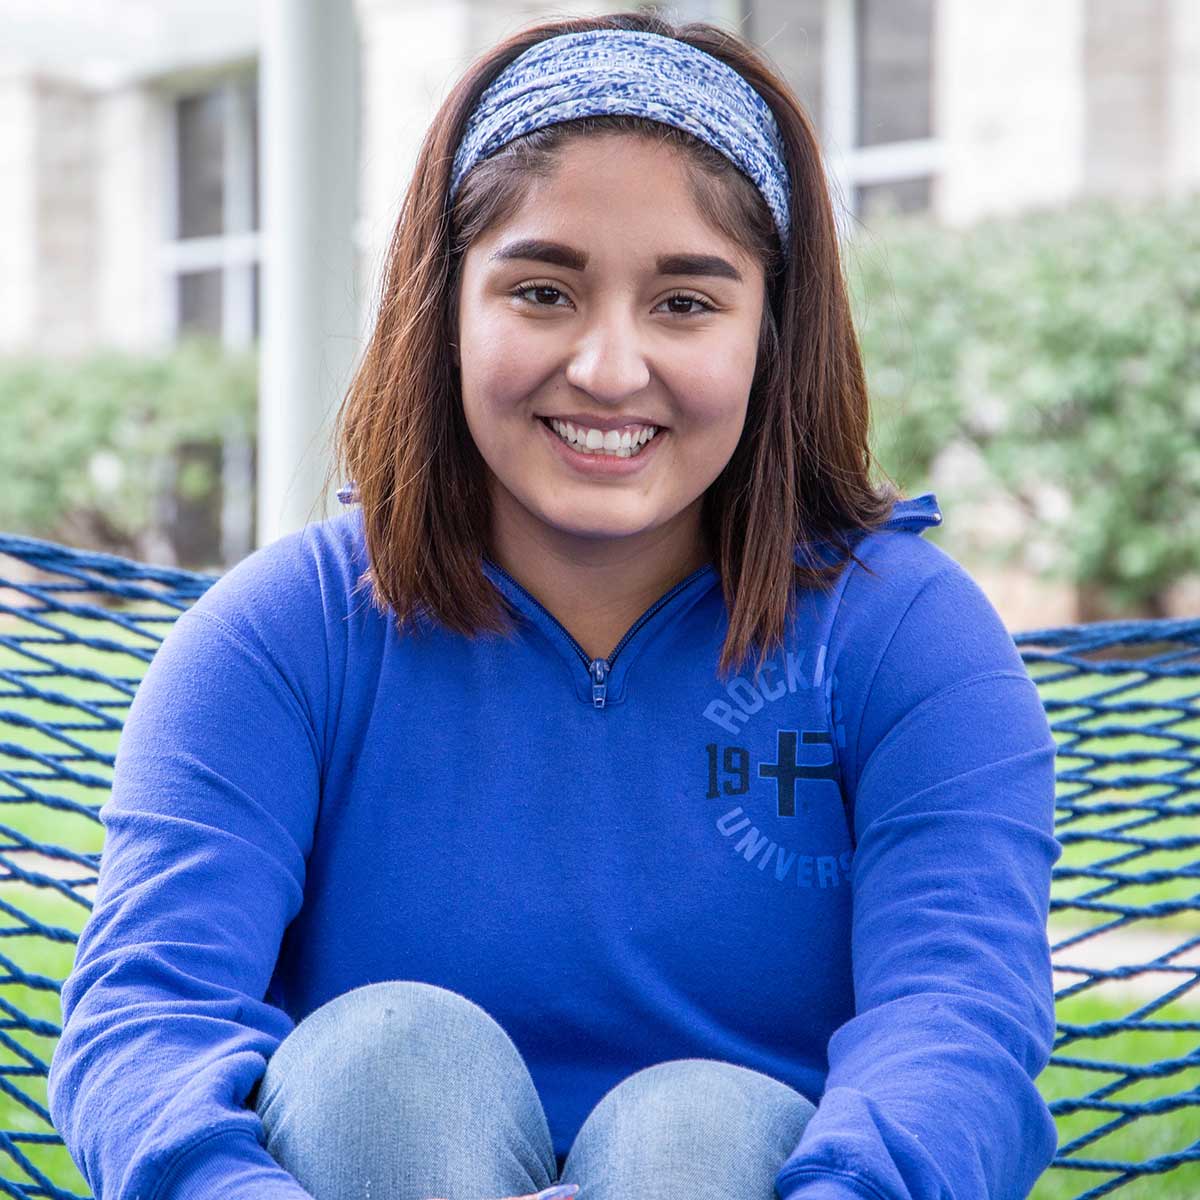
[[786, 770]]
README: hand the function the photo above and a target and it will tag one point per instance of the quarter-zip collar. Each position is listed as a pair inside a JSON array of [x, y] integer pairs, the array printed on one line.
[[916, 513], [601, 681]]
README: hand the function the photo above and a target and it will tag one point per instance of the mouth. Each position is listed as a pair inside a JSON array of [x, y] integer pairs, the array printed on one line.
[[625, 442], [618, 461]]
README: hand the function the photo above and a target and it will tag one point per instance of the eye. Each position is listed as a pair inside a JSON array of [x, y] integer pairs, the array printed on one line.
[[520, 291], [544, 288], [704, 304]]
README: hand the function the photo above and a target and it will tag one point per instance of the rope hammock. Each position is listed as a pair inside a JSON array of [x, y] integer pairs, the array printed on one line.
[[77, 630]]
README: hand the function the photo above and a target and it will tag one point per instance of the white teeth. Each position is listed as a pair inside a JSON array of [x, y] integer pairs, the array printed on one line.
[[622, 444]]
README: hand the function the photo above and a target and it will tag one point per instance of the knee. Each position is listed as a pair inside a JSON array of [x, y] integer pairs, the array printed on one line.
[[380, 1025], [422, 1064], [707, 1097]]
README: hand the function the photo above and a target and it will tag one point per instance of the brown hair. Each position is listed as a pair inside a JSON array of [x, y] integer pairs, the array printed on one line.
[[800, 471]]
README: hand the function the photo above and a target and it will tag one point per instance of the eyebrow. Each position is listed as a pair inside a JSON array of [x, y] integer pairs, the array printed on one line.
[[538, 250]]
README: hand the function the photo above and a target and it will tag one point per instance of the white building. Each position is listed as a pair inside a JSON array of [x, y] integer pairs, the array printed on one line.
[[128, 130], [129, 135]]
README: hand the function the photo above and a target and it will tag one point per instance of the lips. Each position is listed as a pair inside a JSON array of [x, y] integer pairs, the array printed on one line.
[[602, 465], [604, 424]]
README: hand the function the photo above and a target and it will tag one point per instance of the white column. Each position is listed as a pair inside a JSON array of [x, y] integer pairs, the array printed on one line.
[[1182, 168], [839, 108], [309, 139], [1010, 105], [19, 291]]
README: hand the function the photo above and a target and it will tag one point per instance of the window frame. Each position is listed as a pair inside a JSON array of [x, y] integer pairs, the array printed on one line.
[[850, 165], [237, 251]]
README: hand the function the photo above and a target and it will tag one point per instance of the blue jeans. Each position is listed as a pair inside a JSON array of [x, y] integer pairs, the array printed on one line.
[[405, 1091]]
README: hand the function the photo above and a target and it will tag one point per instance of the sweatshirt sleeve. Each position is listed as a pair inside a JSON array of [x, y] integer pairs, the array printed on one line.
[[207, 832], [930, 1090]]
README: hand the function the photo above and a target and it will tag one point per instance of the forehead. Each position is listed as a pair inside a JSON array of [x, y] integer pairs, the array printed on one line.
[[616, 189], [602, 148], [594, 170]]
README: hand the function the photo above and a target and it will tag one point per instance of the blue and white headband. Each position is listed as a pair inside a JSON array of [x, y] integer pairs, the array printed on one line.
[[604, 71]]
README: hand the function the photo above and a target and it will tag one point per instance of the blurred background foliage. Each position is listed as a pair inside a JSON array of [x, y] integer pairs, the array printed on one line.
[[1041, 373], [116, 451]]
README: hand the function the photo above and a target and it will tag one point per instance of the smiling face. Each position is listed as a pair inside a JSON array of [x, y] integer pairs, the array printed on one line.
[[615, 326]]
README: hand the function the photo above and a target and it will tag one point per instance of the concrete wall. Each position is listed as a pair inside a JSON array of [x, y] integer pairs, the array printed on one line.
[[66, 160], [1039, 104], [1127, 124], [1142, 63], [48, 158], [410, 52], [1183, 99], [18, 210], [131, 135], [1009, 105]]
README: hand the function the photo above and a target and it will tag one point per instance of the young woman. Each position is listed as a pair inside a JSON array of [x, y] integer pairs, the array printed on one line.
[[623, 793]]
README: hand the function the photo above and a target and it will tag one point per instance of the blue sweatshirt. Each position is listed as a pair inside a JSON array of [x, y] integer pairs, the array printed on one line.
[[836, 872]]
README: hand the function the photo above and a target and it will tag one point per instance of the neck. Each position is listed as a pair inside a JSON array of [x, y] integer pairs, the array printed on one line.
[[598, 587]]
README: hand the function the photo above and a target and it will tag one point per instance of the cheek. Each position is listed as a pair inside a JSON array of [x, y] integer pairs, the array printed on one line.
[[713, 380], [713, 394], [495, 372]]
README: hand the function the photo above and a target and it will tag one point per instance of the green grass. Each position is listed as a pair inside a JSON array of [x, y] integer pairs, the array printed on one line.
[[68, 819], [35, 955], [69, 768], [1112, 839], [74, 783], [1144, 1138], [1140, 1141]]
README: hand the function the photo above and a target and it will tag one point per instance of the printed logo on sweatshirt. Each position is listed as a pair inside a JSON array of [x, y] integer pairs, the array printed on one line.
[[732, 765], [789, 866], [797, 785], [796, 773], [745, 699]]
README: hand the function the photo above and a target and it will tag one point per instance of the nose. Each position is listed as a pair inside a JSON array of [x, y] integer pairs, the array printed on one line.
[[607, 361]]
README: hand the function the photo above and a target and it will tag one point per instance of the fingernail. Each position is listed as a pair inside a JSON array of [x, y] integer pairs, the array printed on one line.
[[560, 1191]]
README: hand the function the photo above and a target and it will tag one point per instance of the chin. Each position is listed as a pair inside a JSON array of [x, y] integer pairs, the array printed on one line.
[[594, 533], [603, 528]]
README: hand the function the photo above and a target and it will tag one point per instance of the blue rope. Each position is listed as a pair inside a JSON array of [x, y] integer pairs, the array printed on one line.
[[1113, 800]]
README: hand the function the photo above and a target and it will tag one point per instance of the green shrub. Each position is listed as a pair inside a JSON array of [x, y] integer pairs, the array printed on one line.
[[1041, 372], [96, 441], [1058, 354]]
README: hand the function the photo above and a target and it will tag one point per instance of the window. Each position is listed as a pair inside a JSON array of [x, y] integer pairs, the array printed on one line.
[[210, 259], [211, 255], [893, 70], [864, 71]]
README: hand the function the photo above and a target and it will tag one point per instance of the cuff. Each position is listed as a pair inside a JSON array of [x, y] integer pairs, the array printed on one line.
[[232, 1164], [825, 1185]]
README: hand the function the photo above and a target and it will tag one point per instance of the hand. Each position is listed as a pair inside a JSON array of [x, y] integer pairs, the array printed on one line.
[[560, 1191]]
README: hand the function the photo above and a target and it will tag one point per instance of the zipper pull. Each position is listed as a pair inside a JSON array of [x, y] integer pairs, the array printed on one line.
[[599, 672]]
